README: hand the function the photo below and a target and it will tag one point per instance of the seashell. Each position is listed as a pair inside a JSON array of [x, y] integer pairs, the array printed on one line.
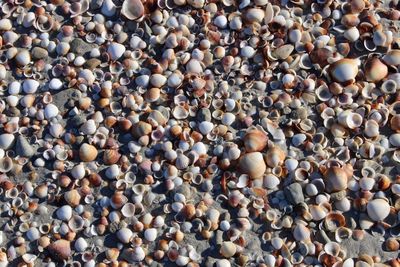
[[60, 249], [141, 128], [112, 254], [228, 118], [87, 152], [275, 156], [29, 258], [76, 223], [33, 234], [283, 51], [116, 50], [88, 127], [87, 75], [206, 127], [371, 128], [391, 244], [72, 197], [352, 34], [318, 212], [132, 9], [255, 141], [335, 179], [80, 244], [50, 111], [78, 171], [375, 70], [344, 70], [271, 181], [30, 86], [5, 25], [124, 235], [128, 210], [56, 130], [55, 84], [378, 209], [111, 156], [6, 141], [394, 140], [389, 87], [228, 249], [342, 233], [150, 234], [301, 233], [252, 164], [332, 248], [64, 213], [23, 57], [6, 164], [334, 220], [392, 57], [108, 8]]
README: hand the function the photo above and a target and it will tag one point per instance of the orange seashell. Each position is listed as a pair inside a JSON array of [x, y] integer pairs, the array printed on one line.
[[375, 70], [255, 141]]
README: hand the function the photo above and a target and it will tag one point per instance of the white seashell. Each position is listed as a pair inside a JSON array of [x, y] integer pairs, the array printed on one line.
[[182, 260], [270, 181], [206, 127], [80, 244], [3, 72], [180, 113], [55, 84], [174, 80], [230, 104], [6, 141], [89, 127], [64, 213], [371, 128], [194, 67], [50, 111], [28, 258], [247, 52], [12, 100], [277, 242], [378, 209], [366, 183], [301, 233], [150, 234], [33, 234], [124, 235], [132, 9], [200, 148], [221, 21], [113, 171], [87, 75], [394, 140], [23, 57], [108, 8], [128, 210], [343, 205], [116, 50], [158, 80], [291, 164], [30, 86], [56, 130], [5, 25], [228, 119], [352, 34], [14, 88], [78, 171], [222, 263], [142, 80]]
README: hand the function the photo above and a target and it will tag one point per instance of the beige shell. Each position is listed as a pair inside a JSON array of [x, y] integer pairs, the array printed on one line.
[[255, 141], [132, 9], [344, 70], [335, 179], [275, 156], [252, 164]]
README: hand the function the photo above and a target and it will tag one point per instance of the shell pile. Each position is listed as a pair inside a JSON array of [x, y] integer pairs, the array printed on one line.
[[199, 133]]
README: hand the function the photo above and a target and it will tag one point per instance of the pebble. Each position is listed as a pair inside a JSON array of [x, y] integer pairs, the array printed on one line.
[[294, 193]]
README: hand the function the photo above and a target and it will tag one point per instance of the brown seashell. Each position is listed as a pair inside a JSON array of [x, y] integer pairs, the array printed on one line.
[[391, 244], [125, 124], [87, 152], [112, 254], [72, 197], [255, 141], [60, 250], [335, 179], [320, 56], [141, 128], [275, 156], [395, 123], [356, 6], [375, 70], [334, 220], [95, 179], [189, 210], [152, 95], [252, 164], [111, 156]]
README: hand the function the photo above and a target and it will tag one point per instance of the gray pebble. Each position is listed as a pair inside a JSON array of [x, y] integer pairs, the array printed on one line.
[[294, 193], [80, 47], [39, 53], [23, 148]]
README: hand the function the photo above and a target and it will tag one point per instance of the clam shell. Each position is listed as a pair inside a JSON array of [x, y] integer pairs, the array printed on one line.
[[87, 152], [228, 249], [60, 249], [255, 141], [252, 164], [6, 141], [64, 213], [116, 50], [344, 70], [335, 179], [80, 244], [275, 156], [132, 9], [378, 209], [392, 57], [124, 235], [375, 70]]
